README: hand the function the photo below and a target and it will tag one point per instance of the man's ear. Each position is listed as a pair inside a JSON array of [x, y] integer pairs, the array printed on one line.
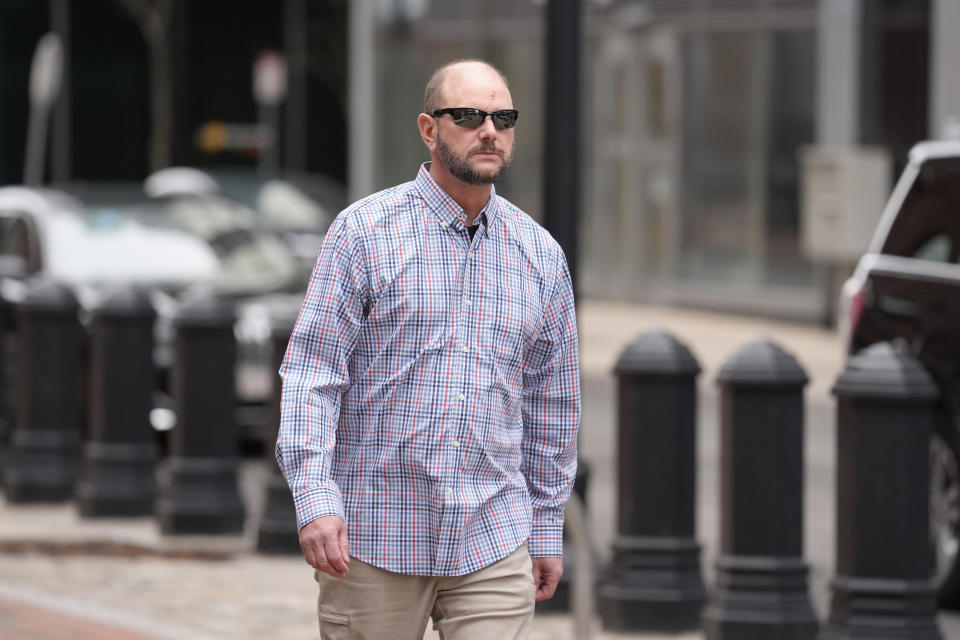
[[428, 130]]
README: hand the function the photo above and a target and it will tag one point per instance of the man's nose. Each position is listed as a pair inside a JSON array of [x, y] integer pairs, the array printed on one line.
[[487, 130]]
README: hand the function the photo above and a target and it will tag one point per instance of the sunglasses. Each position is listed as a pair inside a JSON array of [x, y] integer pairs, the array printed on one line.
[[473, 118]]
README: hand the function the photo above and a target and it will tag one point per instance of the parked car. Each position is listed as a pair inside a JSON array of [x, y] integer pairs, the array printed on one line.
[[298, 208], [906, 289], [170, 247]]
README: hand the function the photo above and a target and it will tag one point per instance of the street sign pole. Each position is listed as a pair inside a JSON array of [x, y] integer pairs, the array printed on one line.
[[45, 76], [269, 92], [561, 180], [561, 174]]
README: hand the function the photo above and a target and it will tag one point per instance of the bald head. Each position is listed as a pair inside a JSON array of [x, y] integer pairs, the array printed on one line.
[[456, 71]]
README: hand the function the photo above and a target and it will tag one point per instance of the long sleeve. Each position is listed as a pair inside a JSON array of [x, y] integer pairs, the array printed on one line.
[[315, 373], [551, 416]]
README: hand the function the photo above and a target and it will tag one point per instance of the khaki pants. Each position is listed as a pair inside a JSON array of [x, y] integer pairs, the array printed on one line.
[[494, 603]]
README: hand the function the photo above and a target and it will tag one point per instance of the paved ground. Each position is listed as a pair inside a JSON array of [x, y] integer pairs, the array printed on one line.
[[66, 577]]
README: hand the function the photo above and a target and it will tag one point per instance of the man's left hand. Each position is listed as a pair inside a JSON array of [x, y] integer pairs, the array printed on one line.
[[546, 575]]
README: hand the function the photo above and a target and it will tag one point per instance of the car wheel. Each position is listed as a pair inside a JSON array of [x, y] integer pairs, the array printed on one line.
[[945, 511]]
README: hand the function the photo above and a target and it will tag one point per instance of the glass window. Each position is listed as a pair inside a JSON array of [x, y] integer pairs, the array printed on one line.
[[747, 107], [936, 249], [930, 211], [16, 240]]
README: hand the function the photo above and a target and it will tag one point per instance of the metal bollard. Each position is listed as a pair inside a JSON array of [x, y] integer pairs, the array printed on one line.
[[655, 581], [117, 476], [882, 589], [11, 268], [45, 444], [6, 368], [278, 527], [198, 490], [761, 589]]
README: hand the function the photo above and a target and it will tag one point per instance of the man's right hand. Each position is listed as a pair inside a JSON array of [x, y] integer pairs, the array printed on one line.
[[325, 546]]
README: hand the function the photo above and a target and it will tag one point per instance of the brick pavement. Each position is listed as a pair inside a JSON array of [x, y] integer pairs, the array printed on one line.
[[20, 621]]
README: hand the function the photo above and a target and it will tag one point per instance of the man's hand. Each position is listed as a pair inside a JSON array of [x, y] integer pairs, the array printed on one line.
[[546, 575], [325, 546]]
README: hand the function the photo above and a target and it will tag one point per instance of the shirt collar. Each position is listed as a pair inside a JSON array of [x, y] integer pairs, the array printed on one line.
[[445, 208]]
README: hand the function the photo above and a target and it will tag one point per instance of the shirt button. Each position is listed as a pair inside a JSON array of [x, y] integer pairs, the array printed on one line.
[[462, 397], [455, 444], [467, 302], [465, 349], [449, 491]]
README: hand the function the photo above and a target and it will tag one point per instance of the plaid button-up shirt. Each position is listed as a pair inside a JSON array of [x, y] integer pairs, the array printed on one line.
[[431, 392]]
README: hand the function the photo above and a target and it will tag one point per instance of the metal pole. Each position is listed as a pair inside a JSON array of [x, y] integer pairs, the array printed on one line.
[[362, 91], [296, 108], [561, 124], [36, 146], [61, 165], [269, 159], [45, 77], [579, 528]]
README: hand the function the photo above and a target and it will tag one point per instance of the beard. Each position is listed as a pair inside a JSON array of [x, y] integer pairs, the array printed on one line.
[[461, 168]]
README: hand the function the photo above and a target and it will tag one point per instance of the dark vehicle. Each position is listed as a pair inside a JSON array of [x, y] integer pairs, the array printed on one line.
[[906, 289], [169, 247]]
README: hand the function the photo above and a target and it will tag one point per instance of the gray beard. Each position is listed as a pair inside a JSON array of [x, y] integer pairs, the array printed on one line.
[[465, 172]]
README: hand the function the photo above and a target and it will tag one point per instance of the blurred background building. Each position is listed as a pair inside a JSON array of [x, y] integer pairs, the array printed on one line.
[[702, 119]]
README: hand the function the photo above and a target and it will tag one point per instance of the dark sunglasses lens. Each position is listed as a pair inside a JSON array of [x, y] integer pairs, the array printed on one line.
[[473, 118], [470, 118], [504, 119]]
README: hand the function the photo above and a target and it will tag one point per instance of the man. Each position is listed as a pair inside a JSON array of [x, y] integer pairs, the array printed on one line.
[[431, 392]]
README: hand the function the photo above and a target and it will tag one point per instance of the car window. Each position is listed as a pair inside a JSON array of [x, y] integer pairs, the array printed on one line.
[[16, 239], [928, 224], [935, 249]]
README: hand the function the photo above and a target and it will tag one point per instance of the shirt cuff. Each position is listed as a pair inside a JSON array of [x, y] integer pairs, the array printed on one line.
[[318, 502], [546, 540]]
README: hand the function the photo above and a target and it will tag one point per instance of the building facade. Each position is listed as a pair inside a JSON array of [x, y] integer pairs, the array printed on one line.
[[696, 114]]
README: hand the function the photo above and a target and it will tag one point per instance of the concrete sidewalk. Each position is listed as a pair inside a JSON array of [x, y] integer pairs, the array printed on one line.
[[64, 577], [607, 327]]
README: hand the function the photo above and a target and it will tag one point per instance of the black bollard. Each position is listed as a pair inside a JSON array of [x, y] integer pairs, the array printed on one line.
[[761, 589], [45, 444], [6, 368], [198, 490], [278, 526], [654, 583], [117, 476], [12, 269], [883, 589]]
